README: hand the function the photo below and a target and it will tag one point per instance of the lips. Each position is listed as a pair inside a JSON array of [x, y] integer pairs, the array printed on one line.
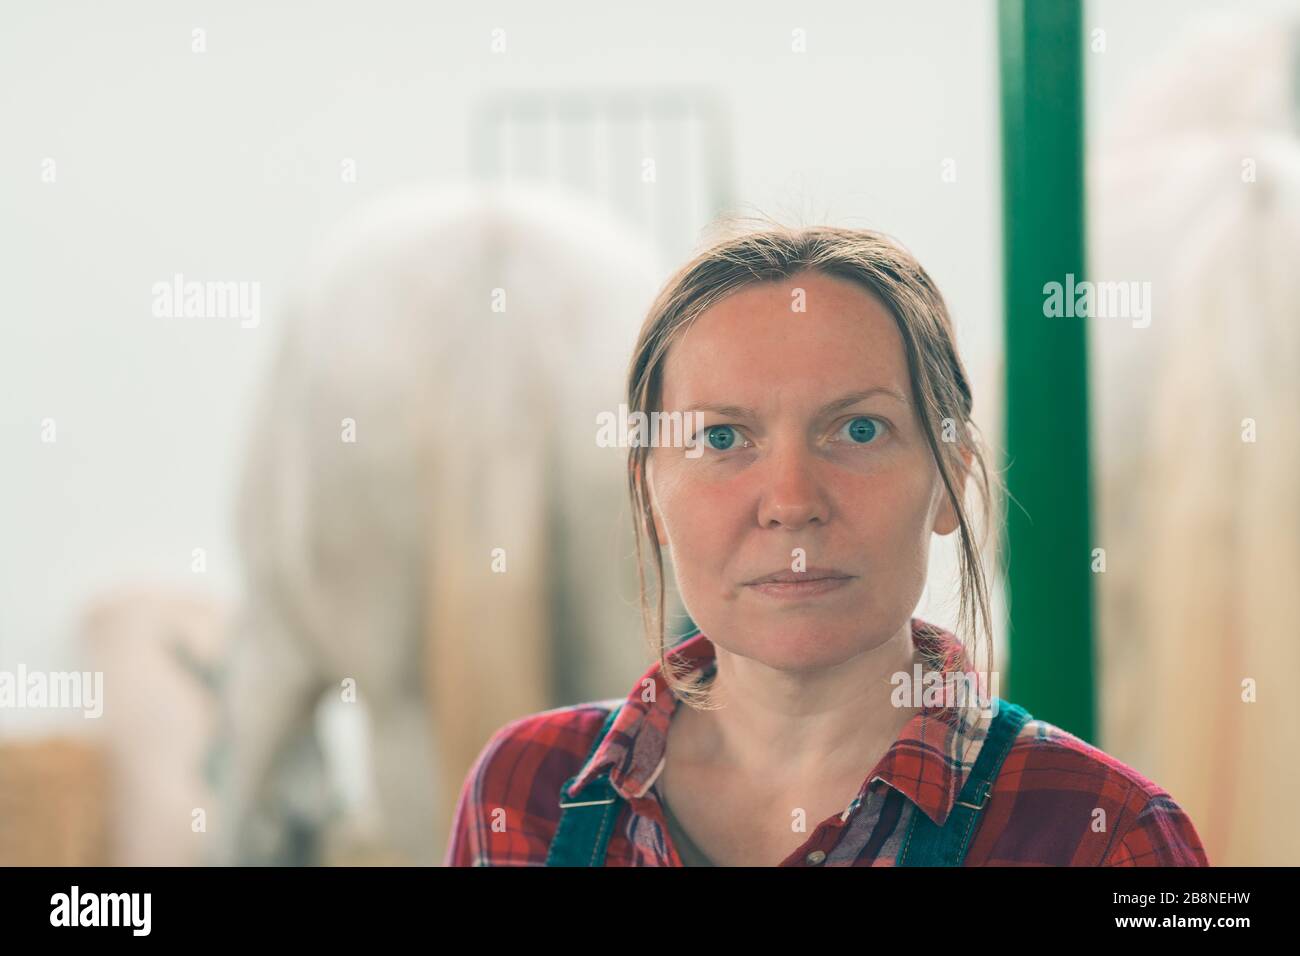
[[787, 576]]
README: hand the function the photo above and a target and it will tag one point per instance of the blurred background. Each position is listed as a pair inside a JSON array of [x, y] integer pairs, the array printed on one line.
[[279, 282]]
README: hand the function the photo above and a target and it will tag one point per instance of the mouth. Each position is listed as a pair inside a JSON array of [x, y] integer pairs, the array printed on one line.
[[810, 583]]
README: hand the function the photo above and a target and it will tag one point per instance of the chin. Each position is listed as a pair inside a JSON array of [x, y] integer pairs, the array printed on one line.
[[798, 642]]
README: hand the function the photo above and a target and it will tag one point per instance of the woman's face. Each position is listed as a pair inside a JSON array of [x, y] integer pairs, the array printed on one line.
[[801, 460]]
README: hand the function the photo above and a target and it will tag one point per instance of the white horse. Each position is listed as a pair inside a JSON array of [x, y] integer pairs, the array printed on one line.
[[1196, 189], [425, 514]]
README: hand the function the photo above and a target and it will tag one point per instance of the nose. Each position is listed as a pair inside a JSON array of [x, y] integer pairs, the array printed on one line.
[[792, 495]]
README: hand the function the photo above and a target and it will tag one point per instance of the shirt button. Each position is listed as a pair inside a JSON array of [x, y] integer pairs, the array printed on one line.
[[815, 857]]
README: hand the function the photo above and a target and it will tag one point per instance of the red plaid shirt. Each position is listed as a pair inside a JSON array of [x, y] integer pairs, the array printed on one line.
[[1042, 811]]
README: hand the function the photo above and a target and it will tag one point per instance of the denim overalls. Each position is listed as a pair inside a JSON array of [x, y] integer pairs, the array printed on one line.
[[587, 819]]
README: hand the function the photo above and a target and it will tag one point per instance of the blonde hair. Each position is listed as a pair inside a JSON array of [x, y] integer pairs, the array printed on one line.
[[940, 386]]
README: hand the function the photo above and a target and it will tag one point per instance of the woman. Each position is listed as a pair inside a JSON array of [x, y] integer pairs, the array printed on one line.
[[835, 437]]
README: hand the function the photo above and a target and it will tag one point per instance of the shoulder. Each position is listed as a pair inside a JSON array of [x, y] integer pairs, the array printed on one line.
[[1094, 808], [509, 804]]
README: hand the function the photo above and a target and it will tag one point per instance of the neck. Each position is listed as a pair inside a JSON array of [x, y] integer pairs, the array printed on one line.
[[775, 724]]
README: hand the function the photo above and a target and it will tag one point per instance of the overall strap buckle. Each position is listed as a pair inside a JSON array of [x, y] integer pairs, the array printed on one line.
[[984, 798], [587, 803]]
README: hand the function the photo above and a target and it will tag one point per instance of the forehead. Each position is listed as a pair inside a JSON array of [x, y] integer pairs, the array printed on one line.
[[754, 345]]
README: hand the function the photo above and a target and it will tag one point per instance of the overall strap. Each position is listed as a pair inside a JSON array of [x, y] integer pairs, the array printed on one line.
[[926, 844], [586, 819]]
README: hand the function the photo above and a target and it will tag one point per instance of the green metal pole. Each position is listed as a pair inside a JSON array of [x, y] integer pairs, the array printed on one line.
[[1049, 537]]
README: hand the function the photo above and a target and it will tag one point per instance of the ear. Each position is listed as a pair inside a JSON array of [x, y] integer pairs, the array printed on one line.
[[945, 520]]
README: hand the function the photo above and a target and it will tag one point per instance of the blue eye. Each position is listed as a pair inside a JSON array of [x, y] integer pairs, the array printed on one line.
[[862, 430], [718, 437]]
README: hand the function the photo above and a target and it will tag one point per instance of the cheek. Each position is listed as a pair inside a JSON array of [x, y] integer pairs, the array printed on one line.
[[889, 515], [705, 524], [699, 517]]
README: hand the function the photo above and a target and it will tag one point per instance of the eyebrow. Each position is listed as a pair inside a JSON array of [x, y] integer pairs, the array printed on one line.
[[739, 411]]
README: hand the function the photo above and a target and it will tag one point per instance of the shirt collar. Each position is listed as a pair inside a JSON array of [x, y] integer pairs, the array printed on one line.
[[928, 762]]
